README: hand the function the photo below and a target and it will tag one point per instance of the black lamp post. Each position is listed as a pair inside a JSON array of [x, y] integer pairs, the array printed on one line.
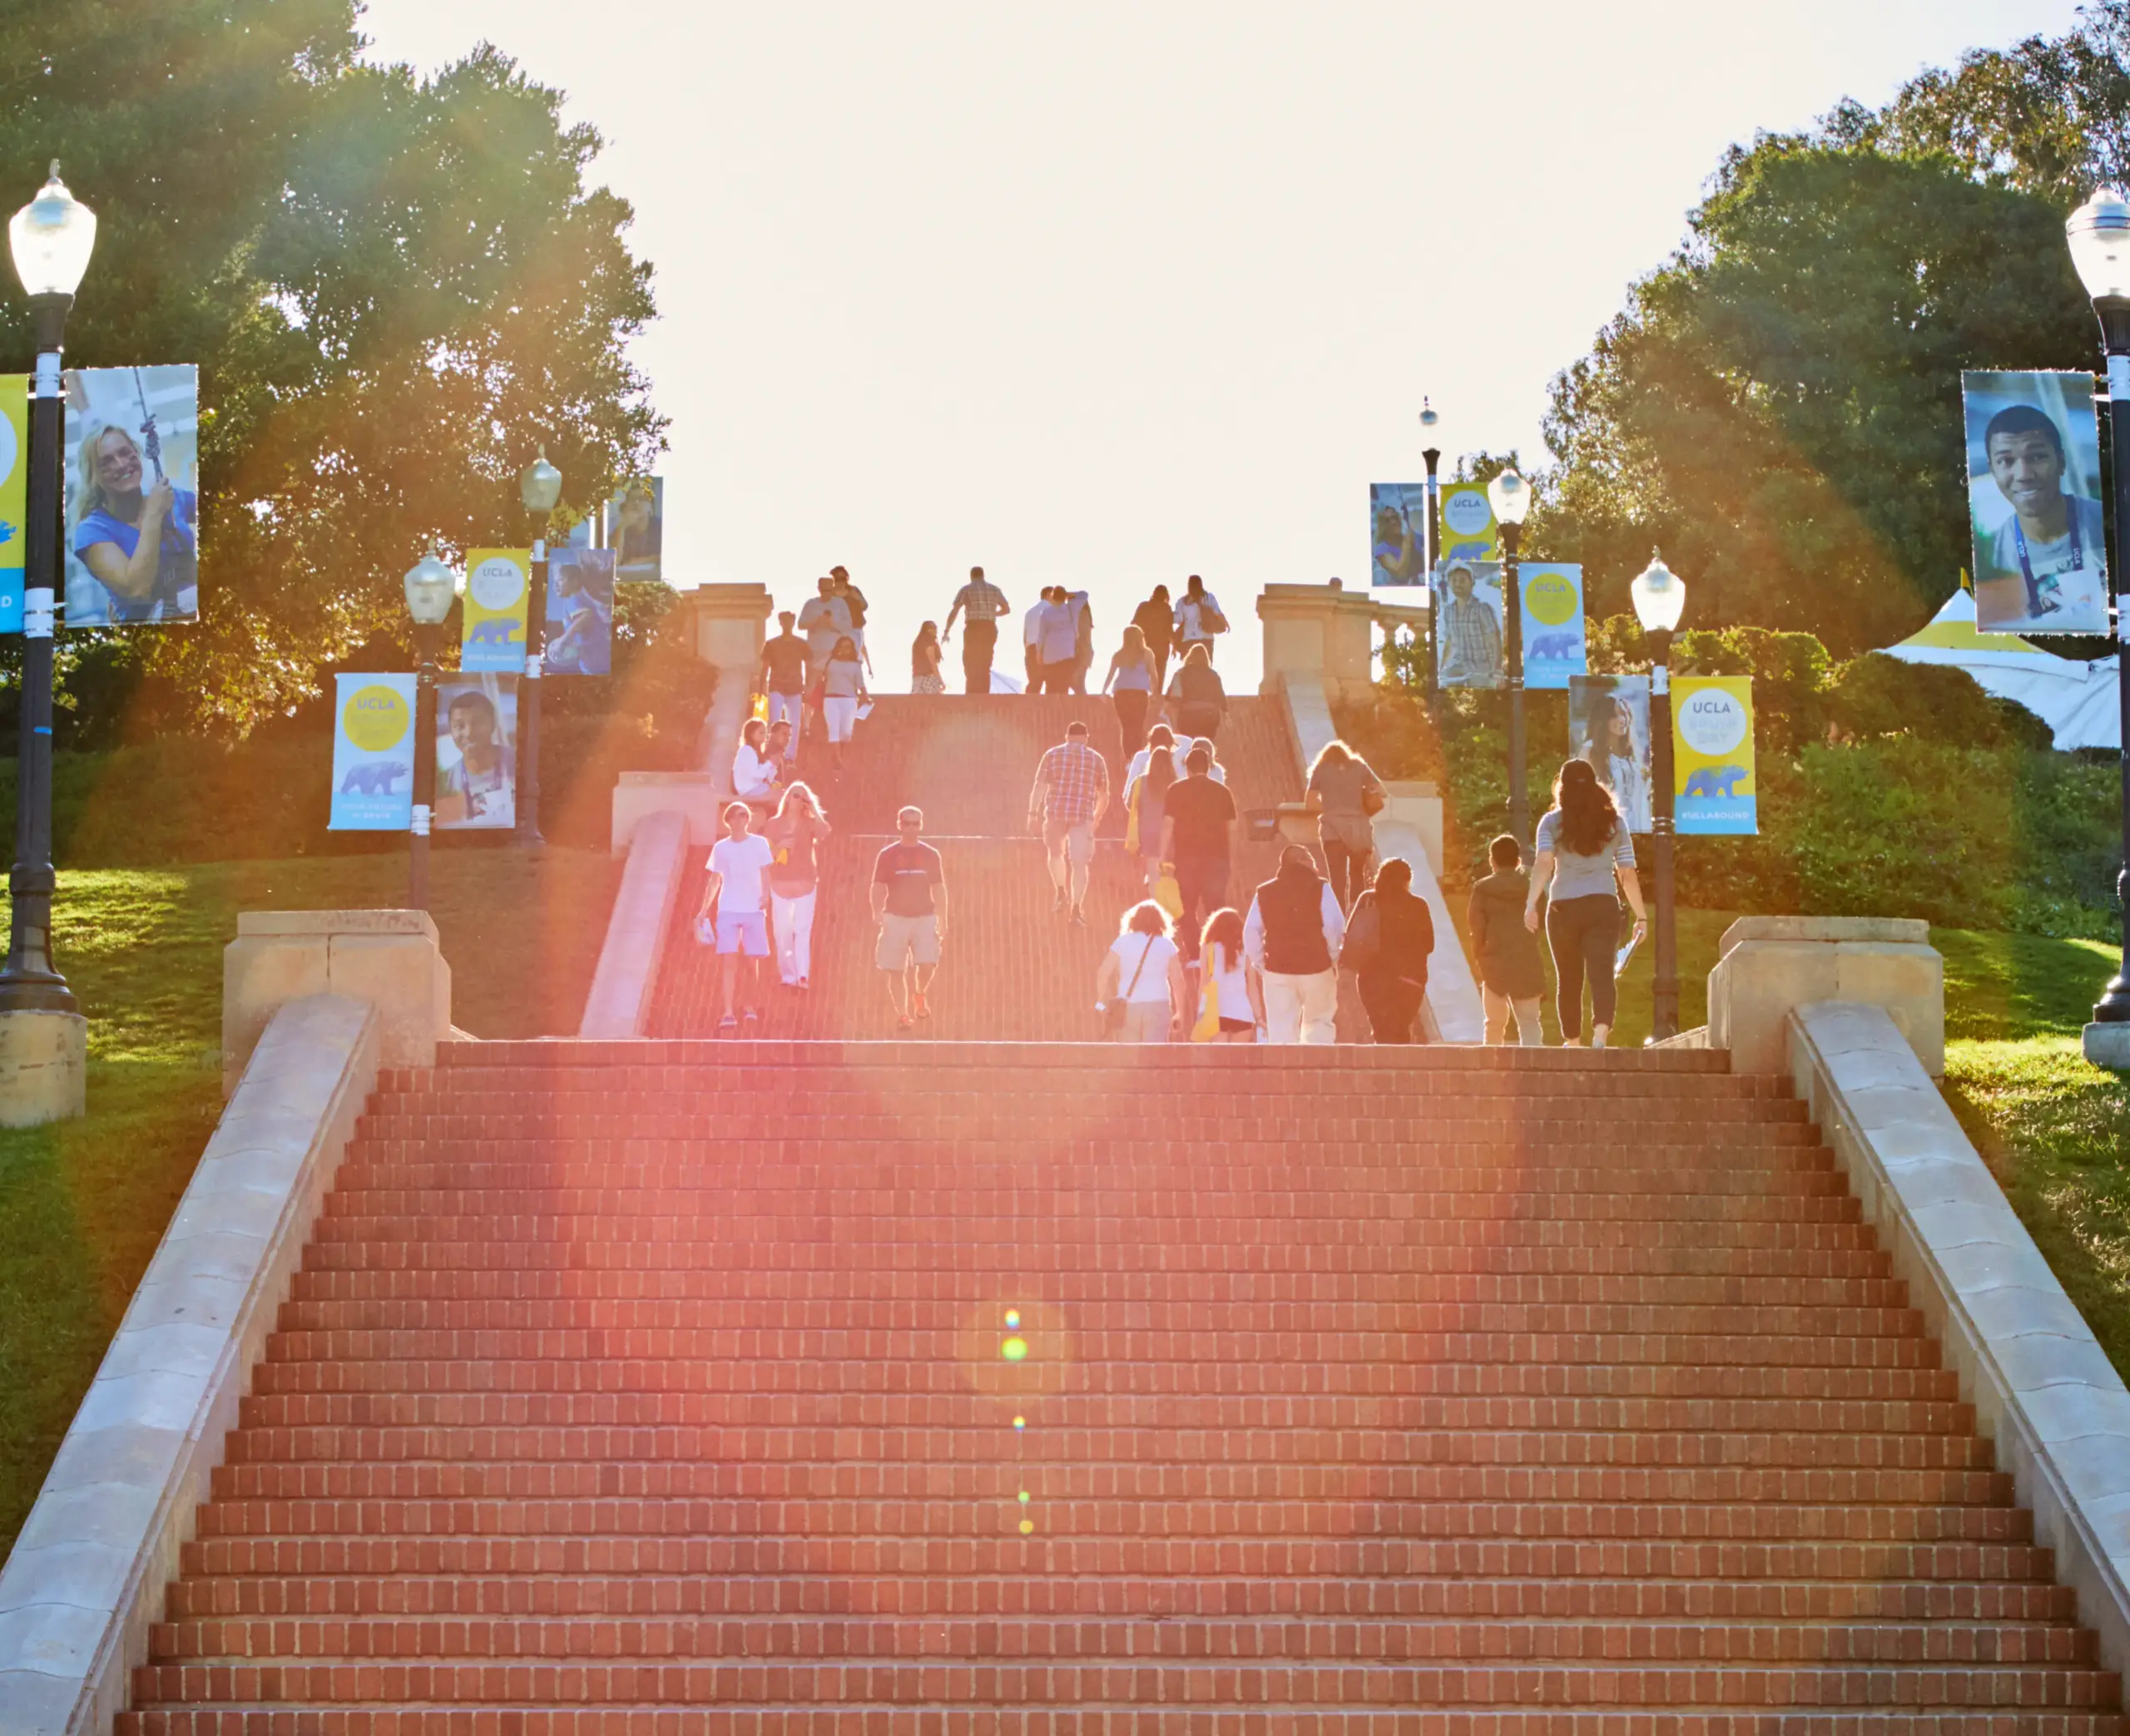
[[1430, 420], [1510, 497], [540, 487], [51, 239], [1660, 599], [430, 587], [2099, 235]]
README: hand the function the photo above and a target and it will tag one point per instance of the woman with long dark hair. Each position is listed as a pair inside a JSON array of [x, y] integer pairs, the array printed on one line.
[[924, 676], [1583, 845]]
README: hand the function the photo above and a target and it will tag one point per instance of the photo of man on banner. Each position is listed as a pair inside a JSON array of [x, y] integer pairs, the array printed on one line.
[[476, 753], [2033, 496], [1469, 641]]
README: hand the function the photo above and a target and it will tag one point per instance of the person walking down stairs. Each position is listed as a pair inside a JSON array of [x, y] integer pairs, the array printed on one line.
[[1504, 953], [910, 905], [1292, 936], [784, 672], [983, 603], [735, 908], [842, 689], [796, 832], [1066, 804], [1583, 846]]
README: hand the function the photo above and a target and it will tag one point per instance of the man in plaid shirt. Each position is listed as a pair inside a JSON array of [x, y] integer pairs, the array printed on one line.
[[1070, 791], [984, 602], [1470, 636]]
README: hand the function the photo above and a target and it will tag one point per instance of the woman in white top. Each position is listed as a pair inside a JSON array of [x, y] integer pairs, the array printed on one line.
[[1238, 996], [753, 773], [843, 685], [1144, 969]]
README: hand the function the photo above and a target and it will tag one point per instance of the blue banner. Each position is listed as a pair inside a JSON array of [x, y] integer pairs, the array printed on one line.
[[373, 754]]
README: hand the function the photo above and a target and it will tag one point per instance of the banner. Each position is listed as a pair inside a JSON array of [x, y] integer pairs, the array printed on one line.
[[1397, 533], [1608, 725], [477, 753], [1712, 756], [373, 754], [14, 494], [499, 583], [1467, 636], [635, 528], [1469, 530], [131, 454], [1553, 647], [580, 612], [2033, 490]]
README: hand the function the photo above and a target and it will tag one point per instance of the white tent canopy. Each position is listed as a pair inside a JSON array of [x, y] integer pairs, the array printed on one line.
[[2078, 700]]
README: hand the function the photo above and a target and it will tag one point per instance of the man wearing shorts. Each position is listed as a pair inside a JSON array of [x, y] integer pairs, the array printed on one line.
[[909, 903], [737, 888], [784, 672], [1066, 803]]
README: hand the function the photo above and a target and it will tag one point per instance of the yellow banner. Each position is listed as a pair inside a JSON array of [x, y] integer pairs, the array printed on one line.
[[499, 583], [1469, 530], [1712, 756], [14, 494]]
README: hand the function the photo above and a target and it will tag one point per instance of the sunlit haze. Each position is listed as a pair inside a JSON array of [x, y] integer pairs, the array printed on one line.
[[1108, 294]]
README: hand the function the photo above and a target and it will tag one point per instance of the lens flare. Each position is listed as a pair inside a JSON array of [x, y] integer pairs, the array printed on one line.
[[1020, 1423], [1024, 1497], [1013, 1319], [1028, 1527], [1014, 1349]]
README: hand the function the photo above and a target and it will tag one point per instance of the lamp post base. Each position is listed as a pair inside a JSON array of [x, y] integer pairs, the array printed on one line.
[[44, 1067], [2108, 1045]]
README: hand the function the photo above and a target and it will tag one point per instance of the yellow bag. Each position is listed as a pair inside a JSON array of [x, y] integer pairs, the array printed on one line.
[[759, 710], [1209, 1012], [1168, 894], [1131, 820]]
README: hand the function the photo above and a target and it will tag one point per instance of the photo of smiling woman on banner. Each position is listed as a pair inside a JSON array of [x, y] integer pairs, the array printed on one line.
[[2034, 499], [132, 499]]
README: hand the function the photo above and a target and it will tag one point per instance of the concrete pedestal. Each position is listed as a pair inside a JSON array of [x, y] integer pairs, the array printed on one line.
[[1772, 964], [1326, 633], [388, 958], [44, 1067], [2108, 1045]]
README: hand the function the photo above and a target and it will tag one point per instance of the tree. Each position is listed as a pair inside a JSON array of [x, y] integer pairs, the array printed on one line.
[[393, 287]]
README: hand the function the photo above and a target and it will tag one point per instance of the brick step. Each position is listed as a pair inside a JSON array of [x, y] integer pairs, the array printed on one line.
[[1205, 1717], [1222, 1638], [863, 1479], [920, 1321], [887, 1519], [980, 1442], [329, 1300], [553, 1595], [935, 1683]]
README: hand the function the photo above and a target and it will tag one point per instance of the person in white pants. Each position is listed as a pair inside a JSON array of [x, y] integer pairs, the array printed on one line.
[[843, 685], [795, 833], [1292, 935]]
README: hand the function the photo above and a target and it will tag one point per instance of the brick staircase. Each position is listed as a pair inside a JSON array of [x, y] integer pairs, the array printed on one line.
[[1012, 970], [689, 1387]]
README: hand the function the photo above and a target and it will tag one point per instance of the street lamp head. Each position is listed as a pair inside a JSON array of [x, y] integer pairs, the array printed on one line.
[[1660, 595], [430, 587], [2099, 235], [1510, 495], [51, 238], [542, 484], [1430, 417]]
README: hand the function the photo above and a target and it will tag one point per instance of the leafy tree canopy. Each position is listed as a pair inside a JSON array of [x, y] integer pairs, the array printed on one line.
[[1779, 404], [393, 287]]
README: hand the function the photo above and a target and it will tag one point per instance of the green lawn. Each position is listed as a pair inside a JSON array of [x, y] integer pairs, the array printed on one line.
[[83, 1205]]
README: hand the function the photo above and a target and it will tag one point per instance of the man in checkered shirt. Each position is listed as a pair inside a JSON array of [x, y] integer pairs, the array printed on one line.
[[1072, 790], [984, 602], [1470, 636]]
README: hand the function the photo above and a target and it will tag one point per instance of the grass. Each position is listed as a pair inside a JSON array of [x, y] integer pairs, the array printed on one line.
[[83, 1203]]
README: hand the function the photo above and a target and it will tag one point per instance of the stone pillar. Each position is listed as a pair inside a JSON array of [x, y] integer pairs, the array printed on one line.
[[1325, 633], [388, 958], [728, 624], [1771, 964], [44, 1067]]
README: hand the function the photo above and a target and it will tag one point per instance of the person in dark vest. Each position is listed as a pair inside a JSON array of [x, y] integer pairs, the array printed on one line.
[[1389, 938], [1292, 935]]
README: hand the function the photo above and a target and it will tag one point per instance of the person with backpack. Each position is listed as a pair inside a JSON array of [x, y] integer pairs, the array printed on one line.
[[1389, 938], [1198, 617], [1139, 986], [1345, 795], [1584, 847], [1505, 953], [1198, 700], [1292, 937]]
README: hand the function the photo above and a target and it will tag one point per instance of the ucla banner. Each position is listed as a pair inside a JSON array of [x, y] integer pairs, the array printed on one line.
[[1397, 533], [1554, 649], [498, 584], [373, 754], [1712, 755], [1469, 530], [14, 494]]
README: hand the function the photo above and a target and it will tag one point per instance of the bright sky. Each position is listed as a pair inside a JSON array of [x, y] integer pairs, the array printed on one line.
[[1108, 293]]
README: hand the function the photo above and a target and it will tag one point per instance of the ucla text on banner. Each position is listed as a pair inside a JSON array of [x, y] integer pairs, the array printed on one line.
[[14, 494], [373, 754], [1712, 755], [1553, 641], [131, 453], [499, 586], [580, 636], [1469, 530], [1397, 533]]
